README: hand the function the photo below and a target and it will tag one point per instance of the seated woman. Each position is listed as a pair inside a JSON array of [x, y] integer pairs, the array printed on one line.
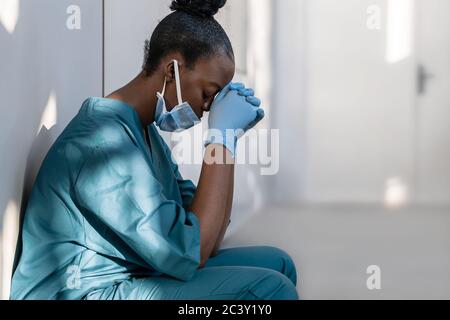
[[110, 216]]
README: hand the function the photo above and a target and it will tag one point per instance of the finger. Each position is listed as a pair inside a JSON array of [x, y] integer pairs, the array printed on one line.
[[259, 116], [237, 86], [247, 92], [254, 101]]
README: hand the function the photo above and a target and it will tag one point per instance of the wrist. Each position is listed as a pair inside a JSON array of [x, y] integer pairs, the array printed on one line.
[[217, 153], [227, 138]]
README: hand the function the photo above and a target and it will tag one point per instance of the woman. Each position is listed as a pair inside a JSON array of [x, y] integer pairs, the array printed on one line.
[[110, 216]]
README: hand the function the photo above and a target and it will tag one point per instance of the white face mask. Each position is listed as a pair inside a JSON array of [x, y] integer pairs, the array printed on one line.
[[180, 118]]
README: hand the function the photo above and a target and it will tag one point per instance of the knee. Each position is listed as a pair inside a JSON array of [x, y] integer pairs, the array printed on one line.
[[273, 285], [288, 267]]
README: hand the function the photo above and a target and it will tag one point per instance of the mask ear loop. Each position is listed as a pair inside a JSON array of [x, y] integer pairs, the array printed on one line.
[[164, 87], [177, 81]]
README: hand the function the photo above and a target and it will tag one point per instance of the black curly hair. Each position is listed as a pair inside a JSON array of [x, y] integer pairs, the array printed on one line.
[[191, 30]]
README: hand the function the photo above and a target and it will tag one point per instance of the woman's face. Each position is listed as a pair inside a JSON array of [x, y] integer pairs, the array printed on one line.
[[201, 84]]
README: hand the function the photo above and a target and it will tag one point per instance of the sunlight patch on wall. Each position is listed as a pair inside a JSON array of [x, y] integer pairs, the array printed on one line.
[[396, 193], [9, 14], [259, 54], [10, 230], [400, 28], [50, 115]]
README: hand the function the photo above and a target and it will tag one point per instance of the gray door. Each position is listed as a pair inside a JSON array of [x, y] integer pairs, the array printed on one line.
[[433, 105]]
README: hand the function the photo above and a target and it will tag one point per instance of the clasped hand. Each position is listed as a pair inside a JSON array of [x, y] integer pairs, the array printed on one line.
[[233, 112]]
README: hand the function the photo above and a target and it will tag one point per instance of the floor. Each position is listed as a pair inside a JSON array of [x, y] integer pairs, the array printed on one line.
[[333, 247]]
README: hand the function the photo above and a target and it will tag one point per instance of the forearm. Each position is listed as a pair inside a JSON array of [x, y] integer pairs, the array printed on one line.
[[211, 199], [226, 221]]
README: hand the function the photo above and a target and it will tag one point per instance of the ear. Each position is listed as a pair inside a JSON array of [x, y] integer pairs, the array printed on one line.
[[169, 69]]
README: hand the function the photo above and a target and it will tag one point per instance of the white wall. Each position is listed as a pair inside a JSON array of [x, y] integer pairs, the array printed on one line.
[[347, 117], [126, 28], [360, 125], [289, 111], [46, 73], [433, 107]]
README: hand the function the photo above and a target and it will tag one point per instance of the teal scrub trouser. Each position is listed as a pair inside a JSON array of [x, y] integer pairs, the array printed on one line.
[[244, 273]]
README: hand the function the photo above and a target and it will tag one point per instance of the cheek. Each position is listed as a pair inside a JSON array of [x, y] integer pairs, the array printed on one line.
[[195, 99], [189, 94], [197, 108]]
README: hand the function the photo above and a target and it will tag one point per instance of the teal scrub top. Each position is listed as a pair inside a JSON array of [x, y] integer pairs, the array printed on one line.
[[105, 208]]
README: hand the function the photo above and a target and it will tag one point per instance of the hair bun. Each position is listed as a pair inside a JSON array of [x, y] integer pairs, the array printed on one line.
[[202, 8]]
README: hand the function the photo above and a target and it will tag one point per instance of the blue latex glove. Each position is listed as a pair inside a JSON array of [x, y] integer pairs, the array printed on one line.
[[248, 93], [232, 114]]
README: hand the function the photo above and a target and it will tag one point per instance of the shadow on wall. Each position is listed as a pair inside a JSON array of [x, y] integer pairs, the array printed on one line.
[[46, 78], [35, 158]]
